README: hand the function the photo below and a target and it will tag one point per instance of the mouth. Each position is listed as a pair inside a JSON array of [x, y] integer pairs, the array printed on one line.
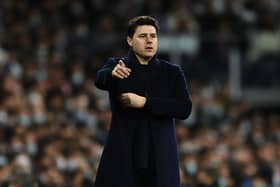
[[149, 48]]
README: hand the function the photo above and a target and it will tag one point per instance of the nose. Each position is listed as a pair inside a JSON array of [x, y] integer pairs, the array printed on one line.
[[149, 39]]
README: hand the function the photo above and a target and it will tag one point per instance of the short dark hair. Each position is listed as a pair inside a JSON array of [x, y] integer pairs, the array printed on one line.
[[141, 20]]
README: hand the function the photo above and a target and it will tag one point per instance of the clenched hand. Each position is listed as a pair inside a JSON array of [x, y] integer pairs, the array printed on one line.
[[132, 100]]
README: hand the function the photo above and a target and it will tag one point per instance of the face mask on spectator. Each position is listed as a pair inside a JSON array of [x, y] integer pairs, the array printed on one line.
[[91, 121], [78, 79], [39, 118], [32, 148], [3, 160], [81, 116], [72, 164], [24, 120], [16, 71], [222, 181], [61, 164], [191, 167]]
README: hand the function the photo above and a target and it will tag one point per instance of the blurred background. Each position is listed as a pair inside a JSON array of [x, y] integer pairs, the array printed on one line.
[[53, 121]]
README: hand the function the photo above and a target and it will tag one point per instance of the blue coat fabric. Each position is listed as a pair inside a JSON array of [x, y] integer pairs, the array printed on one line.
[[167, 98]]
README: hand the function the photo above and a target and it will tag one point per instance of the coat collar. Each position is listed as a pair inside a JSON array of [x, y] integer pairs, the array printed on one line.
[[131, 59]]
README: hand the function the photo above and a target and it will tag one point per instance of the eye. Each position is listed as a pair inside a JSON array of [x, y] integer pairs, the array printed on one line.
[[153, 35]]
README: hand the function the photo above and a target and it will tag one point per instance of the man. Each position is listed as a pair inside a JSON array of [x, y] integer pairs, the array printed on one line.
[[146, 94]]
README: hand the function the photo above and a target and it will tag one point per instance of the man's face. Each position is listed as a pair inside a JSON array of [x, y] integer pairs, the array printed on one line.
[[144, 41]]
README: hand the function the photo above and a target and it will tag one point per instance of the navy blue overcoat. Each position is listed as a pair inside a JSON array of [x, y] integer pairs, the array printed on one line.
[[167, 98]]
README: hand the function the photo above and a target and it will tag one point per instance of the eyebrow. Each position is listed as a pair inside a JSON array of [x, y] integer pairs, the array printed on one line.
[[144, 33]]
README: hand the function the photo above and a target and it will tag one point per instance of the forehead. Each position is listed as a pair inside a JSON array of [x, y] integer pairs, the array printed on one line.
[[145, 29]]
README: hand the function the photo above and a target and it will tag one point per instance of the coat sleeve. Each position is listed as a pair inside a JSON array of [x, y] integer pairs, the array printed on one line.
[[179, 105], [103, 77]]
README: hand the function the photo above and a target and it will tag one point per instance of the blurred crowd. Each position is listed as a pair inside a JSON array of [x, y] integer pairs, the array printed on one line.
[[54, 122]]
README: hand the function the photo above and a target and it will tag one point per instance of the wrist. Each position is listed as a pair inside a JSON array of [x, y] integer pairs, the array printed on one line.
[[142, 102]]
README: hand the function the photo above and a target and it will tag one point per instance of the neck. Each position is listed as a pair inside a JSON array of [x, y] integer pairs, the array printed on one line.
[[144, 61]]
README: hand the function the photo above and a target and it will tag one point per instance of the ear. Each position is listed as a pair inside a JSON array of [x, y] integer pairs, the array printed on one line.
[[129, 41]]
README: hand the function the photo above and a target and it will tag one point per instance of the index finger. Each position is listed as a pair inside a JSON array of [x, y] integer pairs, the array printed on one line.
[[121, 63]]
